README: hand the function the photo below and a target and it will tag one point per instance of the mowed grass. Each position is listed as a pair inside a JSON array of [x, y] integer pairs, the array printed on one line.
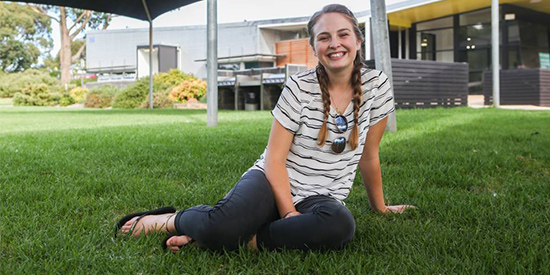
[[479, 177], [5, 102]]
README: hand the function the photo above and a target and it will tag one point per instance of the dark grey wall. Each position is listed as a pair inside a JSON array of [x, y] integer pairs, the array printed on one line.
[[427, 84], [519, 87]]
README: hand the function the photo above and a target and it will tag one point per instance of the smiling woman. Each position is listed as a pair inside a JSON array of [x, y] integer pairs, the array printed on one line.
[[328, 121]]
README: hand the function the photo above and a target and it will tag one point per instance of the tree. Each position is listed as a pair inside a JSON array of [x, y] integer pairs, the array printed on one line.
[[24, 36], [72, 24]]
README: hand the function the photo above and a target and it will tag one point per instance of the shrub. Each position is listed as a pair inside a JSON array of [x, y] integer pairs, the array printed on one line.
[[133, 95], [101, 97], [78, 94], [66, 100], [13, 83], [173, 77], [161, 100], [36, 95], [193, 88]]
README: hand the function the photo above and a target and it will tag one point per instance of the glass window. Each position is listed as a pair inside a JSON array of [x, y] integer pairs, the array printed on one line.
[[475, 17], [446, 22], [427, 46], [478, 59], [474, 36], [513, 31], [513, 59], [534, 39], [445, 56], [442, 39]]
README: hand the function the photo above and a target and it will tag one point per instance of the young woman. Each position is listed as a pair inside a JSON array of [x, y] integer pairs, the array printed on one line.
[[328, 121]]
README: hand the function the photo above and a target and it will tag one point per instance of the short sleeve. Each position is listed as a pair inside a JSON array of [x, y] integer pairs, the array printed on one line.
[[383, 103], [289, 108]]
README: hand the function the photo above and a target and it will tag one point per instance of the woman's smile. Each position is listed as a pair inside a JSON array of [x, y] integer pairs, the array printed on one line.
[[336, 44]]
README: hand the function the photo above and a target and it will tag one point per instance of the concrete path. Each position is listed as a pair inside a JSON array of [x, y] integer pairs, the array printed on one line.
[[476, 101]]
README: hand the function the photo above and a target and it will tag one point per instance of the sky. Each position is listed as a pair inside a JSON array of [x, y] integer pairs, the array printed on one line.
[[230, 11]]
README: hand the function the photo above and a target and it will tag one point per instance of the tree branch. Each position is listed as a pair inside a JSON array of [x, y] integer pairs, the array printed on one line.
[[75, 57], [88, 17], [108, 20], [42, 11], [77, 20]]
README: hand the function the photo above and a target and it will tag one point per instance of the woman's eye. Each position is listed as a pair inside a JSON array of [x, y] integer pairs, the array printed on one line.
[[344, 34], [323, 38]]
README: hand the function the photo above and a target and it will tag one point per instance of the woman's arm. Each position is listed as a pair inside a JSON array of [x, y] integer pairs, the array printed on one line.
[[370, 170], [369, 165], [278, 147]]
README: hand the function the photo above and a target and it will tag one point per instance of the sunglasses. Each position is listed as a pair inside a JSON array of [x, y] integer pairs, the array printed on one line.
[[339, 144]]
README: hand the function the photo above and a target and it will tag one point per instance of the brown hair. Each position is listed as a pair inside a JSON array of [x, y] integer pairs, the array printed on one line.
[[322, 75]]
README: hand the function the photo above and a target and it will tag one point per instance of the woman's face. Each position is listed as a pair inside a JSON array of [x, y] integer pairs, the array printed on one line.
[[335, 43]]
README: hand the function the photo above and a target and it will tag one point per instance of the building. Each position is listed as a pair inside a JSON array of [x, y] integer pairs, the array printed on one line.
[[433, 30]]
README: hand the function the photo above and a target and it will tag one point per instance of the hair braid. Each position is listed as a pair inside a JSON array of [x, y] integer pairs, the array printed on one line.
[[323, 79], [356, 99], [323, 84]]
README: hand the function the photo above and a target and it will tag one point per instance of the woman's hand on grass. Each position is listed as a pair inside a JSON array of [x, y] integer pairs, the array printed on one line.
[[398, 208]]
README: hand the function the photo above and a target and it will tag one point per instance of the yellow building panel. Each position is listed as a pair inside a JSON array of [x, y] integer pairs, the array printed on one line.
[[404, 18]]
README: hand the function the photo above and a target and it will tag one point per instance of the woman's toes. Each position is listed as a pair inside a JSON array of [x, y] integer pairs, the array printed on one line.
[[128, 225], [175, 242]]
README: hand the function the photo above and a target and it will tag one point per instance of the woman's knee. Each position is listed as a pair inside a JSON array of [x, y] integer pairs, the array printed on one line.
[[340, 225]]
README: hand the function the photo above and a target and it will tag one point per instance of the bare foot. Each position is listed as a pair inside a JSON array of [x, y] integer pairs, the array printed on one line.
[[149, 223], [174, 243]]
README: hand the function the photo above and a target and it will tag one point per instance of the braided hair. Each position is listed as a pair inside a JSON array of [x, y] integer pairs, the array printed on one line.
[[323, 79]]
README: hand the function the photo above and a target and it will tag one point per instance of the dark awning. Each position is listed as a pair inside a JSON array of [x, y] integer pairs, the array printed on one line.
[[130, 8]]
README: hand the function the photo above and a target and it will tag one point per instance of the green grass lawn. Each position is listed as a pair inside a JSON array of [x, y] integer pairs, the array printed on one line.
[[480, 179], [4, 102]]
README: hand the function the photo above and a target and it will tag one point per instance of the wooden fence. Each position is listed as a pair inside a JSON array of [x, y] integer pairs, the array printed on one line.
[[427, 84], [519, 87]]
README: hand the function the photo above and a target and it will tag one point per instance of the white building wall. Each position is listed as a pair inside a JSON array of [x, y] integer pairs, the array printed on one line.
[[112, 48]]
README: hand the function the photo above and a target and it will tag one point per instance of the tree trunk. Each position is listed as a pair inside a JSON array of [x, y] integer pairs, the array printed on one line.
[[65, 51]]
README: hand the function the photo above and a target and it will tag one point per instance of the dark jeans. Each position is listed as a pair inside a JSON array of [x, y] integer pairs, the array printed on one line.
[[249, 208]]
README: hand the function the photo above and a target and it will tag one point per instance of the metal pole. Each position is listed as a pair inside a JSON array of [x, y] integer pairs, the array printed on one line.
[[367, 40], [212, 63], [144, 3], [382, 56], [150, 64], [496, 55]]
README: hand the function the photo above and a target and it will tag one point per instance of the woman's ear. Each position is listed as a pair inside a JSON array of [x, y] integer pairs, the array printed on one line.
[[314, 52], [358, 46]]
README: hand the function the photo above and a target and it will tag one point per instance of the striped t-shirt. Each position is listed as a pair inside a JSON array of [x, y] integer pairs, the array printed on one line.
[[314, 170]]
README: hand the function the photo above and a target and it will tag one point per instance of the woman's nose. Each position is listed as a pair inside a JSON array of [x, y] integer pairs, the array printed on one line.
[[334, 43]]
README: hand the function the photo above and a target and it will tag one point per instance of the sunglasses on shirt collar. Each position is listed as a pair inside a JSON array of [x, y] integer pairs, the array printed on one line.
[[339, 144]]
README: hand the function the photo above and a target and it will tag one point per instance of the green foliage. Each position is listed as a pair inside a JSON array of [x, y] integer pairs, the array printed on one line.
[[78, 94], [161, 100], [193, 88], [66, 100], [101, 97], [173, 77], [14, 82], [136, 95], [36, 95], [133, 95], [24, 34]]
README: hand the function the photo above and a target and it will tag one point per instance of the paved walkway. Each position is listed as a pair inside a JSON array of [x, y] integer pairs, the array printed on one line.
[[476, 101]]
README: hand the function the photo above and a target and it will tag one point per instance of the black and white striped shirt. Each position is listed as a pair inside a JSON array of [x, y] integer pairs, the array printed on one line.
[[314, 170]]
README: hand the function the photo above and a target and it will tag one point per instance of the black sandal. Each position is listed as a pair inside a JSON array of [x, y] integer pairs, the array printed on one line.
[[158, 211]]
